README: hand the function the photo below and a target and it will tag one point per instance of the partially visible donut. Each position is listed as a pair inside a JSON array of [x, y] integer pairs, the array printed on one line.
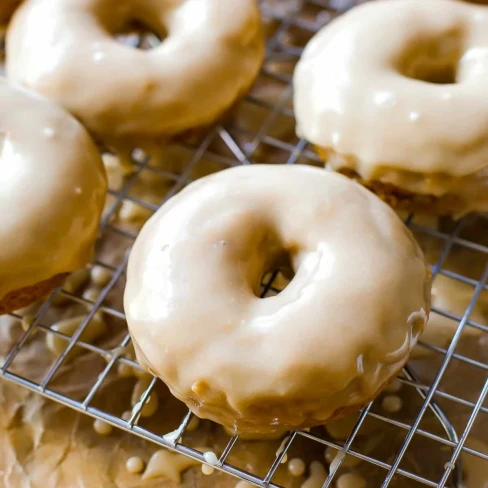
[[52, 191], [395, 95], [327, 344], [66, 49]]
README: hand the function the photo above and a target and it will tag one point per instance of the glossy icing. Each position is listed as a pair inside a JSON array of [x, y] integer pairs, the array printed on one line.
[[405, 102], [52, 190], [209, 57], [337, 333]]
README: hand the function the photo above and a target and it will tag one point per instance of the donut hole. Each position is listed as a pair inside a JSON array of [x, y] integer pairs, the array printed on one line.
[[276, 276], [139, 34], [274, 282], [434, 60]]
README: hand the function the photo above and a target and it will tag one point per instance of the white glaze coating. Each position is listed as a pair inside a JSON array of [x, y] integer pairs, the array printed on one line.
[[331, 339], [296, 467], [135, 465], [355, 92], [65, 49], [52, 190]]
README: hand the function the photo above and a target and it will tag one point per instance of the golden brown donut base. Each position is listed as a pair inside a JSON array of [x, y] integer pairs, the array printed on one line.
[[25, 296], [7, 8], [402, 199]]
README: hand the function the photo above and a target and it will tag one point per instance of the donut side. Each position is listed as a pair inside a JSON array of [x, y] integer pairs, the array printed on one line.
[[400, 198], [7, 8], [23, 297]]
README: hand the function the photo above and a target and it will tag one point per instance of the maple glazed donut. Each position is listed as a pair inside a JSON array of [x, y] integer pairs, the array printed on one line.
[[66, 49], [52, 191], [328, 343], [396, 96]]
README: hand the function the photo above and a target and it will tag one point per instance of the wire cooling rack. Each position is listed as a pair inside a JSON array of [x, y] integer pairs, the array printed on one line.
[[267, 135]]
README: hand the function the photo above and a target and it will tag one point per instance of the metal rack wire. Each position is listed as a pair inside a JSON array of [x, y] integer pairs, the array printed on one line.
[[290, 24]]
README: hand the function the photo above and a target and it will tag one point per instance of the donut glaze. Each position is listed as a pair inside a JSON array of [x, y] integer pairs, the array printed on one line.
[[404, 103], [66, 50], [328, 343], [52, 191]]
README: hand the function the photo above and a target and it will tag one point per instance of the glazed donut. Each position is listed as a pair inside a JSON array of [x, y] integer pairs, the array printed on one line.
[[66, 50], [328, 343], [52, 191], [402, 106]]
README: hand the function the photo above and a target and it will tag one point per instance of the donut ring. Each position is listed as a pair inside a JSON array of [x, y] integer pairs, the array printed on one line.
[[328, 343], [66, 50], [407, 117], [52, 192]]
